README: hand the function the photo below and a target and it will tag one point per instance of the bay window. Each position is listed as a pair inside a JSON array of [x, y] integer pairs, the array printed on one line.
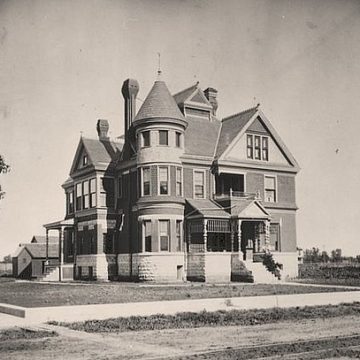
[[178, 182], [146, 181], [164, 235], [163, 180]]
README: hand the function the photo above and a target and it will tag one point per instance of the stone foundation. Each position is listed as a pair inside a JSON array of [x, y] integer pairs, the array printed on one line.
[[95, 267]]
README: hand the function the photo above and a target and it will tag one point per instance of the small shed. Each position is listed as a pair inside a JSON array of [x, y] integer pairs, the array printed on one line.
[[29, 259]]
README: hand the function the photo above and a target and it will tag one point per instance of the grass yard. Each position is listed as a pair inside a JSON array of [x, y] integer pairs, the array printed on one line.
[[216, 318], [31, 294]]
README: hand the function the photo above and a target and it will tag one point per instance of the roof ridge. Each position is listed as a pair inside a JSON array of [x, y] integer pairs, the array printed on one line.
[[188, 88], [240, 113]]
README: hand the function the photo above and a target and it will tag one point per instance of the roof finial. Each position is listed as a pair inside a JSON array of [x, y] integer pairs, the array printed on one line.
[[159, 67]]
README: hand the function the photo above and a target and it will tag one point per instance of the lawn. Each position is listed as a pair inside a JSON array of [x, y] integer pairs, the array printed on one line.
[[216, 318], [31, 294]]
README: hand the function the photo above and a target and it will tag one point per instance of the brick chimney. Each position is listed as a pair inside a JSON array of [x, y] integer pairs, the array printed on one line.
[[102, 128], [129, 90], [211, 95]]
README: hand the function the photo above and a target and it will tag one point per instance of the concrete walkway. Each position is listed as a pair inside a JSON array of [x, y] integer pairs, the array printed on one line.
[[104, 311]]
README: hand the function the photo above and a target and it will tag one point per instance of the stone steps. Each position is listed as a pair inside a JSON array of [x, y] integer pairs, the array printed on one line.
[[260, 273], [52, 274]]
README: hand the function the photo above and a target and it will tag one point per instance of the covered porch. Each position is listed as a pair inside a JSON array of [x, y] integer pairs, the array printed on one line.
[[221, 238], [64, 269]]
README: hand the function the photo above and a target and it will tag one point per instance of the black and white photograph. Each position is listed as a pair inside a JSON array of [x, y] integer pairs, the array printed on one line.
[[179, 179]]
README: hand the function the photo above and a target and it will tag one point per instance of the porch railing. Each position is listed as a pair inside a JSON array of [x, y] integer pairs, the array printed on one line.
[[237, 194]]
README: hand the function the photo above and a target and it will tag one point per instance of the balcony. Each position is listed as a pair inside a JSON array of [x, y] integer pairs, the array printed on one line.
[[236, 195]]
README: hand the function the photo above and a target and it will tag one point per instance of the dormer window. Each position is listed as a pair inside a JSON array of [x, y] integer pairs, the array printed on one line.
[[145, 138], [84, 160], [163, 137], [257, 147]]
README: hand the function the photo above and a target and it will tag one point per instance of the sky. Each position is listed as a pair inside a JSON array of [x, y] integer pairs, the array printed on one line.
[[62, 65]]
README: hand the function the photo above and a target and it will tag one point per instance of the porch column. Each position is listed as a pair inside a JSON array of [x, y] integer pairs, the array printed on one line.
[[188, 242], [61, 252], [205, 235], [267, 234], [47, 247], [232, 235], [239, 235]]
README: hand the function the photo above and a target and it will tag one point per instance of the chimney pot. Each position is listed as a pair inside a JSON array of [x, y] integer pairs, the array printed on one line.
[[211, 95], [102, 128], [129, 90]]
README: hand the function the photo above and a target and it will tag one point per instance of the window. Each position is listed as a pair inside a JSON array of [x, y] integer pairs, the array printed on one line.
[[146, 138], [163, 137], [92, 193], [147, 235], [163, 180], [257, 147], [120, 187], [265, 148], [70, 202], [199, 184], [275, 236], [178, 182], [108, 242], [84, 160], [78, 196], [146, 181], [270, 189], [164, 235], [178, 235], [250, 152], [178, 139], [85, 189]]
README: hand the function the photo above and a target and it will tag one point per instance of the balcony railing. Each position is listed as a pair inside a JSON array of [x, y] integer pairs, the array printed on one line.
[[237, 194]]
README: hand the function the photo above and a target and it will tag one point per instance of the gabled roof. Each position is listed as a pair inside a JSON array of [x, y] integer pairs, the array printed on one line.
[[183, 95], [245, 209], [39, 250], [230, 128], [40, 239], [201, 136], [207, 208], [159, 104], [100, 152]]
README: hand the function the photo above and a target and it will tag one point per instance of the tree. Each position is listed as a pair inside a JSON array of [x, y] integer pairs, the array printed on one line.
[[4, 168], [7, 258], [312, 255], [336, 255]]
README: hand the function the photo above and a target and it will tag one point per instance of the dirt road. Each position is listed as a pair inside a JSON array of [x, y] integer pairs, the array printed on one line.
[[201, 343]]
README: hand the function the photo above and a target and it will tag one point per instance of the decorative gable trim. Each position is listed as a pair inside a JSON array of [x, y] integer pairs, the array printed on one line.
[[273, 134], [81, 149]]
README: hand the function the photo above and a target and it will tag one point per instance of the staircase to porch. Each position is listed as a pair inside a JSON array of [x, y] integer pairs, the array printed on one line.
[[51, 274], [260, 273]]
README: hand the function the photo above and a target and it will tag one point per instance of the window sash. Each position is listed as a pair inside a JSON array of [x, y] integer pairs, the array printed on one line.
[[78, 196], [146, 181], [164, 235], [199, 184], [147, 235], [146, 138], [257, 147], [163, 137], [178, 235], [163, 180], [178, 182], [178, 139], [92, 186]]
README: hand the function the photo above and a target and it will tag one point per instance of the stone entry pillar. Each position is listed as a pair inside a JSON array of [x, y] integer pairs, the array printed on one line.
[[239, 235], [267, 234]]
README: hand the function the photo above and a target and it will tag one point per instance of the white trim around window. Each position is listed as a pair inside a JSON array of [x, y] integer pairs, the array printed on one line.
[[142, 181], [168, 180], [269, 188], [199, 171]]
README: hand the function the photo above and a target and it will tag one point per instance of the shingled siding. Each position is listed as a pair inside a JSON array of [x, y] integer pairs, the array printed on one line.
[[286, 189], [255, 183], [188, 182]]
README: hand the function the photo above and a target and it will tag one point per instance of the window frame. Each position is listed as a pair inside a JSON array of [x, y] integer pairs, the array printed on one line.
[[143, 182], [78, 199], [204, 183], [92, 194], [147, 237], [261, 146], [70, 205], [167, 137], [274, 190], [162, 221], [85, 160], [178, 226], [178, 182], [178, 139], [145, 142], [277, 245], [85, 196], [168, 179]]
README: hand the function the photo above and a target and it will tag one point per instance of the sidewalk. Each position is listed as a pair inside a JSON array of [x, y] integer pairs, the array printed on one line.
[[104, 311]]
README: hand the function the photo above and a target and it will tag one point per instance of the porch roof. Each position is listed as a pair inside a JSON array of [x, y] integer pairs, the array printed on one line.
[[56, 225], [249, 209], [206, 208]]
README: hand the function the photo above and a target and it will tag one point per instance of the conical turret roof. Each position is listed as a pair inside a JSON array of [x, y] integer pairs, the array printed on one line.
[[159, 104]]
